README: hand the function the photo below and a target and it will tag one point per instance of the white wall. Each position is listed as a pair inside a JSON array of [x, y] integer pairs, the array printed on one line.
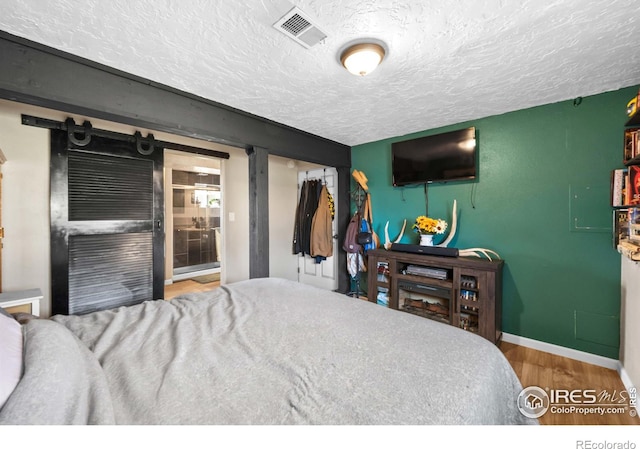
[[25, 205], [283, 199], [235, 224], [630, 320], [25, 199]]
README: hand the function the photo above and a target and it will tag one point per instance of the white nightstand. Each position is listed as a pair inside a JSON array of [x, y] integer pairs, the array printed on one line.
[[27, 301]]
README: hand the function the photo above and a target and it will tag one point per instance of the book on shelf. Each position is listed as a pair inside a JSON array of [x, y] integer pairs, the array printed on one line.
[[618, 186], [633, 186], [634, 225], [626, 226], [631, 144], [620, 225], [634, 233], [383, 271]]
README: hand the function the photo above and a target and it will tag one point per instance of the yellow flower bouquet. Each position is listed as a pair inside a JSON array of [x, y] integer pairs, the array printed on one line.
[[427, 225]]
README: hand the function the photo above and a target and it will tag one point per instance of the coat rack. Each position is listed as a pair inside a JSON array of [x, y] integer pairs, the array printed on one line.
[[359, 196]]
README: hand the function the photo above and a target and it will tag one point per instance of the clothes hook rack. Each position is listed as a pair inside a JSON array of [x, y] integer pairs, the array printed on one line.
[[359, 196]]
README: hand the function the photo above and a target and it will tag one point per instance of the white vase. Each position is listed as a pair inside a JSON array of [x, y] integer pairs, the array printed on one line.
[[426, 239]]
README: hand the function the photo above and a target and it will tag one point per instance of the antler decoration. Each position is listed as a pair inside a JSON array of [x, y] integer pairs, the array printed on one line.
[[468, 252], [387, 240], [474, 252], [454, 226]]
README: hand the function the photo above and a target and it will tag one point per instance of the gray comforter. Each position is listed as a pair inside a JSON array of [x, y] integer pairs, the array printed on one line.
[[265, 351]]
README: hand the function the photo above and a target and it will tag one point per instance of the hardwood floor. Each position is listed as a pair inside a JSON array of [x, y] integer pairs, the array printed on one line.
[[545, 370], [533, 368], [187, 286]]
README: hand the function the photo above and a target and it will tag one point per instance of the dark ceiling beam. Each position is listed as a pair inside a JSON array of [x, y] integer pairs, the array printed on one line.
[[43, 76]]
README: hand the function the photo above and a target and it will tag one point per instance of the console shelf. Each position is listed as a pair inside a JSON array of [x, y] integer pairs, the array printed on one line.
[[461, 291]]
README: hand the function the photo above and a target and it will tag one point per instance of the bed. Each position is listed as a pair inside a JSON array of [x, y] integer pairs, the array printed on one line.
[[263, 351]]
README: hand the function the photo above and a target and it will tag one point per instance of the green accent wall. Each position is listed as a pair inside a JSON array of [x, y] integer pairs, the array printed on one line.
[[541, 201]]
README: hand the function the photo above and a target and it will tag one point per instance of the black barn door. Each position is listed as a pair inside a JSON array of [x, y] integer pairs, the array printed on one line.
[[107, 215]]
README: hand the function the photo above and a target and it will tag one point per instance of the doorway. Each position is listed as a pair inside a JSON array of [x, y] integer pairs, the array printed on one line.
[[194, 211], [311, 271]]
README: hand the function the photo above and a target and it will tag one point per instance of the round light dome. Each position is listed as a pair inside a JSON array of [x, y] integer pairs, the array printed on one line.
[[362, 59]]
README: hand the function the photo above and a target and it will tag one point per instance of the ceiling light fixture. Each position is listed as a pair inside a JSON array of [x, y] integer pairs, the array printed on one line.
[[362, 58]]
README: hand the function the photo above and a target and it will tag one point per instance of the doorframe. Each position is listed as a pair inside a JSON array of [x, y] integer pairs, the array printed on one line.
[[305, 169], [3, 159], [188, 163]]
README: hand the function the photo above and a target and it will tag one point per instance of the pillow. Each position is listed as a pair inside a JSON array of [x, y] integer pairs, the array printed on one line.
[[10, 356]]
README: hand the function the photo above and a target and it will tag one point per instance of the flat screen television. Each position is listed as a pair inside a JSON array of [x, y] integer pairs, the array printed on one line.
[[449, 156]]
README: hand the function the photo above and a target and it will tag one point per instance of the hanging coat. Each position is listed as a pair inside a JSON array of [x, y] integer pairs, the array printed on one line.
[[297, 230], [307, 206], [321, 231], [310, 209]]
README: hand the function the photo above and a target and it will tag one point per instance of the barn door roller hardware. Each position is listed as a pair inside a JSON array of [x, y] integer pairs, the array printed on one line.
[[74, 130], [149, 141], [80, 135]]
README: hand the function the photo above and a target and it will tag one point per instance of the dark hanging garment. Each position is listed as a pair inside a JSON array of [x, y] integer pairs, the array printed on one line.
[[297, 230], [310, 208], [307, 206]]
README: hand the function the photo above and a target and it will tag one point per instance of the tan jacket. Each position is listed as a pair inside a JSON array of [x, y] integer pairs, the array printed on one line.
[[321, 232]]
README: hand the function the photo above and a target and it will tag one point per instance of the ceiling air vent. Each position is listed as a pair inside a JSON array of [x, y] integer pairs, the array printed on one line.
[[297, 25]]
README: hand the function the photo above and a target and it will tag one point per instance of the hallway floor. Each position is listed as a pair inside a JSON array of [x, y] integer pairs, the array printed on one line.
[[187, 286]]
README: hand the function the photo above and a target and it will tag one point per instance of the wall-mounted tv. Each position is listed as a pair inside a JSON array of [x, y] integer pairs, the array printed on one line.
[[449, 156]]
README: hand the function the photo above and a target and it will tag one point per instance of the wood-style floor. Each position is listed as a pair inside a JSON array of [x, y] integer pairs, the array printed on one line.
[[545, 370], [533, 368], [187, 286]]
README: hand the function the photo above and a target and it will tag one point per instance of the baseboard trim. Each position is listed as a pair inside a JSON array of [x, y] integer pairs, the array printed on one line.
[[626, 380], [574, 354]]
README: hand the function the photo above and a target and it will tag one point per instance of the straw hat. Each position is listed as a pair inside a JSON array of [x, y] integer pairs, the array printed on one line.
[[360, 179]]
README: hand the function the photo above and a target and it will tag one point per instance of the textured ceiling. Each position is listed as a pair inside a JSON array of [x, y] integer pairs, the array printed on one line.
[[448, 60]]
